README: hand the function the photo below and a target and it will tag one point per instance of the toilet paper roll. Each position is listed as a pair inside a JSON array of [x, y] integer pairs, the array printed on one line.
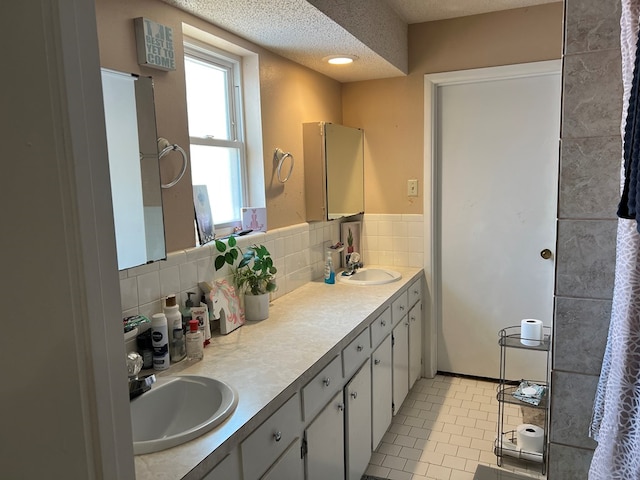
[[530, 438], [531, 332]]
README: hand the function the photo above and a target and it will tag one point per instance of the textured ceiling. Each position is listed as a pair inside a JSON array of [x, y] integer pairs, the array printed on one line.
[[305, 31]]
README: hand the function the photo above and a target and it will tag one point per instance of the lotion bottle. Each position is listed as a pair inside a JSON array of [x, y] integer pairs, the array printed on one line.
[[195, 347], [160, 341], [177, 349]]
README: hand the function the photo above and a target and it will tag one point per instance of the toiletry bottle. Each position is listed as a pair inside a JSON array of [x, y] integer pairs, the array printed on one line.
[[195, 347], [186, 313], [160, 341], [145, 348], [177, 349], [329, 272]]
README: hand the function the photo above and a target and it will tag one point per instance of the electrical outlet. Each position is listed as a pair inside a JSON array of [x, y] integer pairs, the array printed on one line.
[[412, 188]]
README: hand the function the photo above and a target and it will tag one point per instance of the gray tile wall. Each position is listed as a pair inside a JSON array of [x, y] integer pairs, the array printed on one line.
[[585, 254]]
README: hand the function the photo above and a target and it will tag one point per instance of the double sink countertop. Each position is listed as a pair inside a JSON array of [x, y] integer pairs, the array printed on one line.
[[268, 361]]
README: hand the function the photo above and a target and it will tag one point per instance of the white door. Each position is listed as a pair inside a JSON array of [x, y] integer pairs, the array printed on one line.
[[400, 354], [358, 422], [325, 442], [497, 150], [381, 391]]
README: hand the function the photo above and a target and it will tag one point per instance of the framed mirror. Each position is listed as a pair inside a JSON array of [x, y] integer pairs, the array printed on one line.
[[134, 168]]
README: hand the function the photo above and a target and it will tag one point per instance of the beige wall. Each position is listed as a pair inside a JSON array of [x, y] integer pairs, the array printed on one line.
[[290, 95], [391, 111]]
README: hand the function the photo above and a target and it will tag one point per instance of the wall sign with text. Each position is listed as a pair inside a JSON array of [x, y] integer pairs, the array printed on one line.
[[155, 44]]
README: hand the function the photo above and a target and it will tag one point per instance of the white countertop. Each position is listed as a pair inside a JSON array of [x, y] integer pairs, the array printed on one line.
[[267, 361]]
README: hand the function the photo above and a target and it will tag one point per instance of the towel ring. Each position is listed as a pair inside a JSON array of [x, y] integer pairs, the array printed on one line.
[[169, 147], [280, 156]]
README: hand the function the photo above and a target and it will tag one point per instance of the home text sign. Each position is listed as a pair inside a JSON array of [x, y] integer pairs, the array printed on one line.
[[155, 44]]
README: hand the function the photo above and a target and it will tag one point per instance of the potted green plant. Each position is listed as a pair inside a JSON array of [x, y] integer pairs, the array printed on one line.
[[253, 276]]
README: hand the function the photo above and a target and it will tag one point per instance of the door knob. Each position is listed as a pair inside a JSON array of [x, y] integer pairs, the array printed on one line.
[[546, 254]]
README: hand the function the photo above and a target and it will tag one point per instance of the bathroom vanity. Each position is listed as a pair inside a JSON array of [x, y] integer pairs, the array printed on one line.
[[314, 383]]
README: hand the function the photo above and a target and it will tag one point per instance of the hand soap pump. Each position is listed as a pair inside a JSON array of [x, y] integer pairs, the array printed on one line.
[[177, 349], [329, 272]]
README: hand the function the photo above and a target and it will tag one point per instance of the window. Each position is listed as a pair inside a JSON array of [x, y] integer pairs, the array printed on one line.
[[214, 112]]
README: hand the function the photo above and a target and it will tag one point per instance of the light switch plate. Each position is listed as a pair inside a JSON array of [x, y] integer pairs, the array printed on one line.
[[412, 188]]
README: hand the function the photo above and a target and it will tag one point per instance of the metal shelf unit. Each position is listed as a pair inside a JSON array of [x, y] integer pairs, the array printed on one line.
[[506, 441]]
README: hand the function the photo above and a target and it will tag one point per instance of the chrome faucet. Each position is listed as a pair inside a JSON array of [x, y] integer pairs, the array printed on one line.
[[137, 386], [353, 264]]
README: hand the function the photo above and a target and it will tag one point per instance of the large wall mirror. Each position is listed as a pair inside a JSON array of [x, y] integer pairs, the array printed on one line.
[[333, 170], [134, 168]]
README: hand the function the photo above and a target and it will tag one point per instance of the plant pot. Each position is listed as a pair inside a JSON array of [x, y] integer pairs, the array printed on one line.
[[256, 307]]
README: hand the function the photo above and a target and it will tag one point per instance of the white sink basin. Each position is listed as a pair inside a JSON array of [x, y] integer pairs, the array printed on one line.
[[371, 276], [178, 409]]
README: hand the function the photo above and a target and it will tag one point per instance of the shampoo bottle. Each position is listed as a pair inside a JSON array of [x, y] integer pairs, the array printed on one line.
[[177, 349], [195, 347], [329, 272], [160, 341]]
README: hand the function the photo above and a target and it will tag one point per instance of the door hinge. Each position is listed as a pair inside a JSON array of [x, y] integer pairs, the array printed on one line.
[[393, 340], [303, 448], [393, 408]]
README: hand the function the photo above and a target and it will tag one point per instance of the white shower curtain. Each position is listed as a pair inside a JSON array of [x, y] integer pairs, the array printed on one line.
[[616, 417]]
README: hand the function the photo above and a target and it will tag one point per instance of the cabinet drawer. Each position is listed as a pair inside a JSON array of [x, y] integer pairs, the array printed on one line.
[[271, 439], [318, 391], [415, 292], [356, 353], [381, 327], [399, 308]]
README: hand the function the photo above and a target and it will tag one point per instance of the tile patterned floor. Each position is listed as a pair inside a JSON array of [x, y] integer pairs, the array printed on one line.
[[446, 428]]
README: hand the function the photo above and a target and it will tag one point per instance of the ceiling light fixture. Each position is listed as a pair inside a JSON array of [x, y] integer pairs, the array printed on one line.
[[340, 59]]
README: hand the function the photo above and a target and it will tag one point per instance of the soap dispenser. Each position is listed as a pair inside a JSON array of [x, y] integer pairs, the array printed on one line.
[[329, 272]]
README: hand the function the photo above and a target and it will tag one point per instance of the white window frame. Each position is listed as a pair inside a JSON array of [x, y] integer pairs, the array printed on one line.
[[233, 64]]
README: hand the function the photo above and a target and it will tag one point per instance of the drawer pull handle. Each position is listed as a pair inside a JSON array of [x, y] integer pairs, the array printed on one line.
[[326, 382], [376, 362], [354, 395], [359, 348], [340, 407], [401, 308], [415, 292], [383, 323], [277, 436], [406, 324], [413, 319]]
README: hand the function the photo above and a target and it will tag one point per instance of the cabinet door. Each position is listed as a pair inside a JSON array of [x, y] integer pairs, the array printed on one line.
[[358, 422], [325, 442], [415, 343], [227, 469], [400, 363], [289, 465], [381, 396]]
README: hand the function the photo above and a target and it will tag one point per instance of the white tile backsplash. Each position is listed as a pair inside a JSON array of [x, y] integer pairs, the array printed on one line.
[[298, 252]]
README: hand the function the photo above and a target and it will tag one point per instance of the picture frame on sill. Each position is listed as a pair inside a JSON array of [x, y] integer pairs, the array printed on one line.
[[204, 219], [351, 238]]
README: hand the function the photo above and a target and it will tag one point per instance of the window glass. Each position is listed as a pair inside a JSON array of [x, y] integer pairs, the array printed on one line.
[[219, 169], [207, 99]]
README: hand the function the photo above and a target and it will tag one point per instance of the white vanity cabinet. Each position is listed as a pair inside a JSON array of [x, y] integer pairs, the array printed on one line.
[[381, 393], [324, 438], [289, 465], [400, 344], [227, 469], [357, 394], [262, 448]]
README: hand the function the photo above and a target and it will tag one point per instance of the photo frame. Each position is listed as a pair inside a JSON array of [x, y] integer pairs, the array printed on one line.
[[204, 219], [226, 306], [351, 238]]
